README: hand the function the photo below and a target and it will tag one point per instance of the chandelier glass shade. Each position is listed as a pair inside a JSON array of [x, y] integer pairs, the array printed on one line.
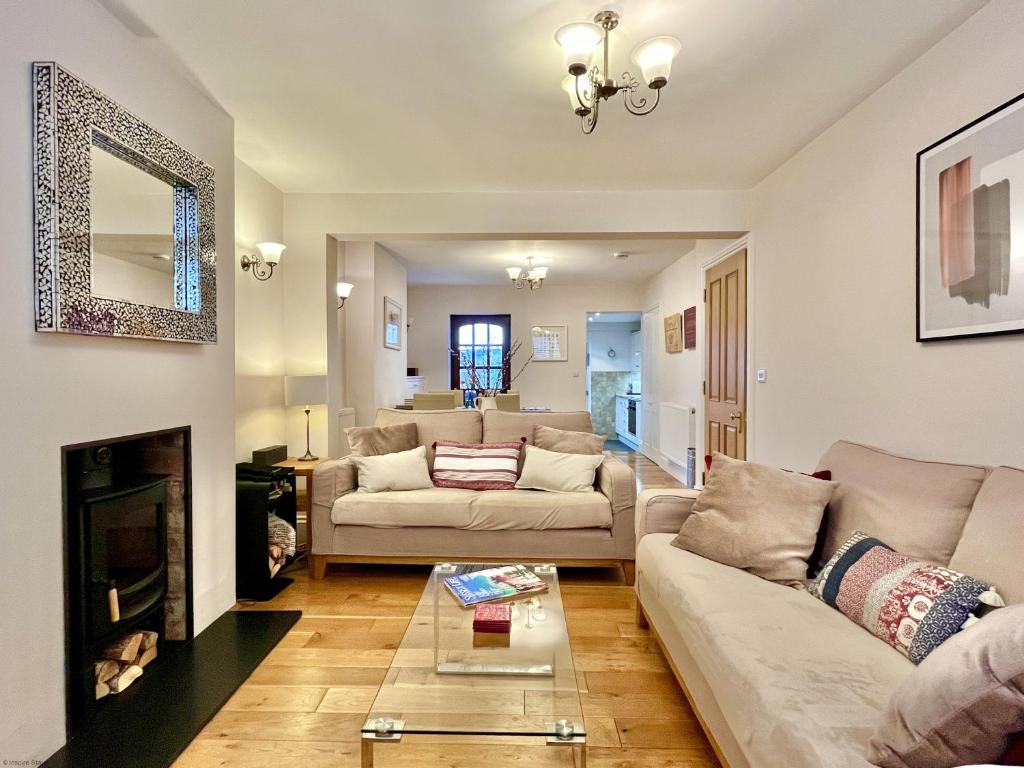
[[588, 84]]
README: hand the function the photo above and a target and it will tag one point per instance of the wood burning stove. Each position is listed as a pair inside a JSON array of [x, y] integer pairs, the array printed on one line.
[[118, 570]]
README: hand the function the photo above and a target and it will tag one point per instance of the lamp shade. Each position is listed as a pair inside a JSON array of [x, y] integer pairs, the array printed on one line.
[[654, 57], [344, 290], [305, 390], [271, 252], [578, 87], [514, 272], [578, 41], [538, 273]]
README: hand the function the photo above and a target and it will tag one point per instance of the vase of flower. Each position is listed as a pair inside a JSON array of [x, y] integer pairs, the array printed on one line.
[[486, 402]]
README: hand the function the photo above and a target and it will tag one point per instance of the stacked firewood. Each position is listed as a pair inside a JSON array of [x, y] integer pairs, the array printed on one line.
[[121, 662]]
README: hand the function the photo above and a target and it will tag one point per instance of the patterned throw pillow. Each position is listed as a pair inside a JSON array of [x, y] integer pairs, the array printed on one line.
[[912, 605], [479, 467]]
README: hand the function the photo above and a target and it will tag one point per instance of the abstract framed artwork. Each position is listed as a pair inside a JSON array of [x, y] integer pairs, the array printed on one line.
[[970, 229], [392, 324]]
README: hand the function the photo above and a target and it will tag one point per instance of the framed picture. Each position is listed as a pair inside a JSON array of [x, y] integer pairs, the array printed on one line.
[[690, 328], [674, 333], [550, 343], [392, 324], [970, 229]]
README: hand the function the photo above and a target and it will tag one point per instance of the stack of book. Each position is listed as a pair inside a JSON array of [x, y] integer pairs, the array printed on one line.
[[492, 625]]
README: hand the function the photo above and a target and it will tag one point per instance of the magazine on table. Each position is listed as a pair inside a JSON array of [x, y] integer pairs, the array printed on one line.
[[507, 582]]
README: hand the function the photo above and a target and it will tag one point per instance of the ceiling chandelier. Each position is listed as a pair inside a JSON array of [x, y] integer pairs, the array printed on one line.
[[588, 86], [532, 276]]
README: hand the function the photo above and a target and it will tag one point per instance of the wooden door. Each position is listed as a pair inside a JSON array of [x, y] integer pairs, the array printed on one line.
[[725, 358]]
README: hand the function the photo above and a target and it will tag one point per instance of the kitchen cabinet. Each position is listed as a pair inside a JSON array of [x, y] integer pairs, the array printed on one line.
[[634, 350]]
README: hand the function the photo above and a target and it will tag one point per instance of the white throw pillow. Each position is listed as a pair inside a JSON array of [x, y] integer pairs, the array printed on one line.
[[558, 472], [402, 471]]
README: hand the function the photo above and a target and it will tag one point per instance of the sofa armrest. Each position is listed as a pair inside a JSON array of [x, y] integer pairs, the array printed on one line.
[[331, 480], [616, 481], [663, 510]]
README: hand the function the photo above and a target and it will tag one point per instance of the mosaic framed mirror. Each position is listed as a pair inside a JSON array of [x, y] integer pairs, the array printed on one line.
[[124, 220]]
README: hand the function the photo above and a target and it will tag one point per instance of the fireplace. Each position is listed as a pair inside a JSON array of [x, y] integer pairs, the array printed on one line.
[[128, 555]]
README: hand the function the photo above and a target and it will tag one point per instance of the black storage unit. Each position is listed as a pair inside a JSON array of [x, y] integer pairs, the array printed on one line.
[[260, 490]]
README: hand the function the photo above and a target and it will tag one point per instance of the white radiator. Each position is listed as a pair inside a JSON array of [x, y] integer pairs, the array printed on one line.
[[678, 431]]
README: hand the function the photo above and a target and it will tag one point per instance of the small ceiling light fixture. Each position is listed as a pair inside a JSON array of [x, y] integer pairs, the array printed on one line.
[[262, 266], [588, 86], [344, 291], [532, 276]]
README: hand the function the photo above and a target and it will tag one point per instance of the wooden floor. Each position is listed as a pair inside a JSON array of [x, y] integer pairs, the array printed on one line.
[[304, 705]]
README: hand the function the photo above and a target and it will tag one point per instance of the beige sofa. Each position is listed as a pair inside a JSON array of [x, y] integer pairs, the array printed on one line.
[[455, 524], [779, 677]]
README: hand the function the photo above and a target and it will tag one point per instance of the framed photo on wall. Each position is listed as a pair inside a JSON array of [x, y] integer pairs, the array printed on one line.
[[550, 343], [970, 229], [392, 324]]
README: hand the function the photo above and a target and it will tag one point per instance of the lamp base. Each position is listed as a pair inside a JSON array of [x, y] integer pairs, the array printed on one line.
[[309, 457]]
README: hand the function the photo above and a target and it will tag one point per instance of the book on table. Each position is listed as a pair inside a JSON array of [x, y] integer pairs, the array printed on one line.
[[506, 582], [493, 618]]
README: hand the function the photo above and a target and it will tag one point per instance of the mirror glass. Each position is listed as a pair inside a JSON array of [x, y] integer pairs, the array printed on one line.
[[132, 224]]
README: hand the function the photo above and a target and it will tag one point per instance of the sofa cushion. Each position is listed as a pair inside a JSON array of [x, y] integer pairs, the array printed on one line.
[[509, 426], [558, 472], [462, 426], [963, 705], [377, 441], [478, 466], [911, 605], [758, 518], [996, 518], [916, 507], [793, 677], [567, 441], [402, 471], [474, 510]]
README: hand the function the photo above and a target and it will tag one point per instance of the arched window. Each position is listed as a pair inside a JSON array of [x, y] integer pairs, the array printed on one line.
[[481, 343]]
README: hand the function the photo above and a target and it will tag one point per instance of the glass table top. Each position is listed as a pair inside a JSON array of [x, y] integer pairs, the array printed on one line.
[[442, 682]]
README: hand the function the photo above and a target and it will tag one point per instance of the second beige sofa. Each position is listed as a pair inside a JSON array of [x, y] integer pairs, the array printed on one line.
[[433, 524]]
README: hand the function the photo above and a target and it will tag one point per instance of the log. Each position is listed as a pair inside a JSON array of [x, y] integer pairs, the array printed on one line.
[[129, 674], [105, 670], [146, 656], [102, 689], [125, 649], [149, 639]]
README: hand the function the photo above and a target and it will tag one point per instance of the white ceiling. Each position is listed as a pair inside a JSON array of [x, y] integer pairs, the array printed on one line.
[[570, 262], [616, 318], [464, 95]]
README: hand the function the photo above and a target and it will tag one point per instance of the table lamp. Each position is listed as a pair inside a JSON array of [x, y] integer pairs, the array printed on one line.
[[305, 391]]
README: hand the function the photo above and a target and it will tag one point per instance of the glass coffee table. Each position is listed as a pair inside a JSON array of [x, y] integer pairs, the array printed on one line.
[[439, 683]]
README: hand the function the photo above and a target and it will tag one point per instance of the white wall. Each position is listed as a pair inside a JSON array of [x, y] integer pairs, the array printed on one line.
[[122, 279], [607, 336], [259, 317], [389, 364], [558, 385], [59, 389], [834, 276]]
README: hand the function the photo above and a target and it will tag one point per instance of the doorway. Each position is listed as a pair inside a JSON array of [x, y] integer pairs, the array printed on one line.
[[725, 356], [614, 354]]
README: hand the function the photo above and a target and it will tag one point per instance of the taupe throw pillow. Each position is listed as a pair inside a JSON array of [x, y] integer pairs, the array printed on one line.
[[378, 441], [761, 519], [566, 441], [962, 704]]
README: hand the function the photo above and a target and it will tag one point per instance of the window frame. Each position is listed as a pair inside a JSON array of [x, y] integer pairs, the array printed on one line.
[[458, 321]]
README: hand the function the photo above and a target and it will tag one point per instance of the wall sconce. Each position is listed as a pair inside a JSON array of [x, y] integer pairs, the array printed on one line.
[[344, 291], [263, 265]]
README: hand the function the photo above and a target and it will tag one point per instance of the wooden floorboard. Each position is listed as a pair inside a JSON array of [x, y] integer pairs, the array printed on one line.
[[305, 703]]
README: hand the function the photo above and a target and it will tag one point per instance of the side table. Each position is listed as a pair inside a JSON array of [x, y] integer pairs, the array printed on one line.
[[304, 502]]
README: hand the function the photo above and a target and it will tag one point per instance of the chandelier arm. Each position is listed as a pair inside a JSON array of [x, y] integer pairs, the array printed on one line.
[[588, 122], [579, 96], [639, 108]]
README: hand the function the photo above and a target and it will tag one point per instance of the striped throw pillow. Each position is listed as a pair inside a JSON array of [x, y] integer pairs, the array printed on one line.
[[479, 467]]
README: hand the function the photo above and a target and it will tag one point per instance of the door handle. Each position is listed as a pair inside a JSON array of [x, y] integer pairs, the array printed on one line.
[[738, 415]]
